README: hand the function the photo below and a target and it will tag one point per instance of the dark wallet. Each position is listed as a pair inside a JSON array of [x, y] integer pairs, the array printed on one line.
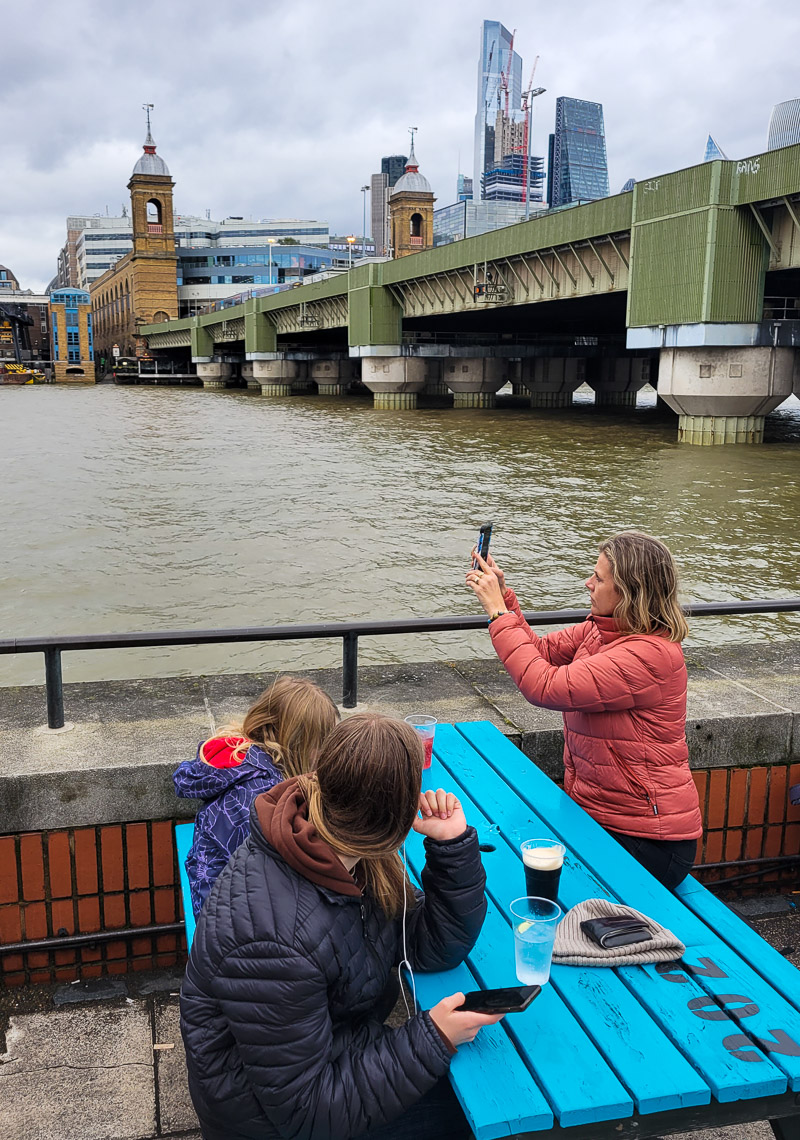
[[620, 931]]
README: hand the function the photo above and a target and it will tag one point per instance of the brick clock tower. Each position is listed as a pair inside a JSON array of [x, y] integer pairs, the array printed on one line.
[[153, 260], [411, 211]]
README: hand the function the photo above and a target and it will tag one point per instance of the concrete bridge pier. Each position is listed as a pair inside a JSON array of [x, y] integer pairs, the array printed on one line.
[[475, 381], [332, 377], [721, 394], [303, 382], [551, 380], [275, 376], [214, 374], [247, 375], [435, 385], [617, 380], [395, 381]]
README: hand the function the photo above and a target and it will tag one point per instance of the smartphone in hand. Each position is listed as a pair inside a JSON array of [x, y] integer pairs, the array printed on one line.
[[514, 999], [484, 538]]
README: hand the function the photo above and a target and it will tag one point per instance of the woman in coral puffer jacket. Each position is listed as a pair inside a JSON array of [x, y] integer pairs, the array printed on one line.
[[619, 678]]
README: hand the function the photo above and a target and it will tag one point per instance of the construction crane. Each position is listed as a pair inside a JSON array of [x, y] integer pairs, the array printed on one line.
[[505, 76], [527, 100]]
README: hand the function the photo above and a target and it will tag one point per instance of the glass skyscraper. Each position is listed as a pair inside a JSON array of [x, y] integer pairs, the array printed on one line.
[[784, 124], [577, 168], [496, 46]]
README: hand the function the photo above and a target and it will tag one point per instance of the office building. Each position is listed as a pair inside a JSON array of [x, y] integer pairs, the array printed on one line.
[[713, 150], [784, 125], [393, 168], [72, 336], [497, 60], [505, 182], [468, 219], [577, 166], [464, 189], [24, 321]]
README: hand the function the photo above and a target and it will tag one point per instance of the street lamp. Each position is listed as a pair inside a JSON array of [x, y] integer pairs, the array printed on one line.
[[364, 190], [531, 96], [350, 241], [271, 243]]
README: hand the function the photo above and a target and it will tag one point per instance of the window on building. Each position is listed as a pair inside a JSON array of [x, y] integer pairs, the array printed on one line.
[[154, 212], [416, 225]]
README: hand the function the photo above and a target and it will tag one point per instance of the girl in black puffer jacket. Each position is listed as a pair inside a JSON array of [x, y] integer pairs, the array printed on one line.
[[289, 978]]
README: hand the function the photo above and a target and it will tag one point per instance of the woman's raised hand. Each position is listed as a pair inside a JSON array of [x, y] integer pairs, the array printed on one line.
[[487, 582], [442, 815], [459, 1027]]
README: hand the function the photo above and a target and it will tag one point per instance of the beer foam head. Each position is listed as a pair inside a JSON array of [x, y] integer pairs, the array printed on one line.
[[542, 858]]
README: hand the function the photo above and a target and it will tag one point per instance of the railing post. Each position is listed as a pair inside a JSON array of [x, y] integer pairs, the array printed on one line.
[[349, 670], [54, 688]]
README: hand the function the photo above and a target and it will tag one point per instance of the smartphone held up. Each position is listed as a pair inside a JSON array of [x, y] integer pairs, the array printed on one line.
[[482, 545], [512, 999]]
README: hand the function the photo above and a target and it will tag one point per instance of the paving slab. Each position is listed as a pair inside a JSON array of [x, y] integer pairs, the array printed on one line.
[[175, 1110], [81, 1073]]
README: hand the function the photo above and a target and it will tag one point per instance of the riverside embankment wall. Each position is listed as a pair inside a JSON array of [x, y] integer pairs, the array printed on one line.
[[86, 816]]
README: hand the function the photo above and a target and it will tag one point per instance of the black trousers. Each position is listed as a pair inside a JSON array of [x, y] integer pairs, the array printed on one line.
[[668, 860], [436, 1116]]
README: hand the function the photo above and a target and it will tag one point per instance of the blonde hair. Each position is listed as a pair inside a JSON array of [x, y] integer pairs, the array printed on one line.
[[363, 798], [290, 721], [646, 576]]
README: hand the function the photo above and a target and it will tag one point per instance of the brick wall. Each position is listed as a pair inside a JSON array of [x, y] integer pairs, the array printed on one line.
[[84, 880]]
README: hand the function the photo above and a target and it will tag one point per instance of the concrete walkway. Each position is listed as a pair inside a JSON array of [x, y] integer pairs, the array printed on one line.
[[104, 1060]]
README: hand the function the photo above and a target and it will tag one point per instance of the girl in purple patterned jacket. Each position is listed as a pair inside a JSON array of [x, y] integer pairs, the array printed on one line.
[[280, 737]]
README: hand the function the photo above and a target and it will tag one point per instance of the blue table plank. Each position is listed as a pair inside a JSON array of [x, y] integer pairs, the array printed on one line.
[[765, 959], [184, 834], [730, 1070]]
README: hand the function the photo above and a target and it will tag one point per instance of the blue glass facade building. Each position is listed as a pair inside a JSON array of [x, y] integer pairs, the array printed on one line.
[[496, 51], [784, 124], [578, 166]]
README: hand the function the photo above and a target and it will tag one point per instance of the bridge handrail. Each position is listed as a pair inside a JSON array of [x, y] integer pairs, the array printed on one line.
[[349, 632]]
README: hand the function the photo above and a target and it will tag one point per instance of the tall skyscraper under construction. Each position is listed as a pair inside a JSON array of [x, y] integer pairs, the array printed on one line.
[[499, 66]]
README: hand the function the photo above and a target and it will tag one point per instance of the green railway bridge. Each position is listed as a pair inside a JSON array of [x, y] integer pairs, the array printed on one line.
[[691, 281]]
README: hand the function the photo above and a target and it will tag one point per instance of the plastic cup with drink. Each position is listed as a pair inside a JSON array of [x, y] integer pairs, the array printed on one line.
[[534, 922], [426, 727], [543, 860]]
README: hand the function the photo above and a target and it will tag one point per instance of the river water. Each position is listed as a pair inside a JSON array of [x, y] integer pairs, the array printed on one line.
[[163, 508]]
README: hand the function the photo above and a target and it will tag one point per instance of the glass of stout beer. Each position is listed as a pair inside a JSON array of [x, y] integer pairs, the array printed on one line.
[[543, 860]]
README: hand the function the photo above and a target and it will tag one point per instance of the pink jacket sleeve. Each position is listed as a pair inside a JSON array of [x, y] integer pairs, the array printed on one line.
[[558, 648], [630, 674]]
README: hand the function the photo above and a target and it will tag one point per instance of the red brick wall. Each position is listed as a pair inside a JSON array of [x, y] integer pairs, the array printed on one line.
[[82, 881], [89, 879]]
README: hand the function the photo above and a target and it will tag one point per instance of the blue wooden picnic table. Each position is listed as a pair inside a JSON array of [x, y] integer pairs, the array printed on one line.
[[636, 1051]]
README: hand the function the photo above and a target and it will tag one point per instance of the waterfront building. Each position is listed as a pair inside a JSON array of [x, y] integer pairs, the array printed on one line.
[[464, 189], [72, 336], [497, 60], [784, 124], [142, 286], [411, 211], [468, 218], [24, 317], [577, 164], [101, 241], [342, 245], [380, 185]]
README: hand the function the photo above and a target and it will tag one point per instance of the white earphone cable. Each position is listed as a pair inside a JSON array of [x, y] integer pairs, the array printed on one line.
[[405, 962]]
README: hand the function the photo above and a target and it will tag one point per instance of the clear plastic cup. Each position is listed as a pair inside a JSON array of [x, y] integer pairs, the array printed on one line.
[[426, 727], [534, 922], [543, 860]]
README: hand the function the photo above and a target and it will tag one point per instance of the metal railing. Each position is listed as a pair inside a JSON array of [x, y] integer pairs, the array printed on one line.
[[349, 632]]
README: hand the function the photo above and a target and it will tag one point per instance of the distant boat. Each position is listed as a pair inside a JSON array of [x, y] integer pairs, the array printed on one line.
[[19, 374]]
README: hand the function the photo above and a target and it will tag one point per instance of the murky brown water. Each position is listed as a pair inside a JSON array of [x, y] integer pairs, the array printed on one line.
[[159, 508]]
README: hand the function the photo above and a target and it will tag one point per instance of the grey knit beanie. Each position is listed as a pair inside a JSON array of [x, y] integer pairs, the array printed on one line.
[[574, 948]]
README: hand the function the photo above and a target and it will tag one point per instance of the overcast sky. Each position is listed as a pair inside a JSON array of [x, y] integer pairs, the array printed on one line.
[[284, 109]]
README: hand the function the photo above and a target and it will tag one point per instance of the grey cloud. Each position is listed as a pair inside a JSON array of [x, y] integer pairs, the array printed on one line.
[[284, 110]]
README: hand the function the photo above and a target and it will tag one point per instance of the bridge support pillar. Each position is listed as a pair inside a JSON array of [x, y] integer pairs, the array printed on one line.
[[435, 385], [394, 381], [796, 380], [247, 375], [551, 380], [332, 377], [303, 383], [214, 374], [617, 380], [275, 377], [721, 394], [475, 381]]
